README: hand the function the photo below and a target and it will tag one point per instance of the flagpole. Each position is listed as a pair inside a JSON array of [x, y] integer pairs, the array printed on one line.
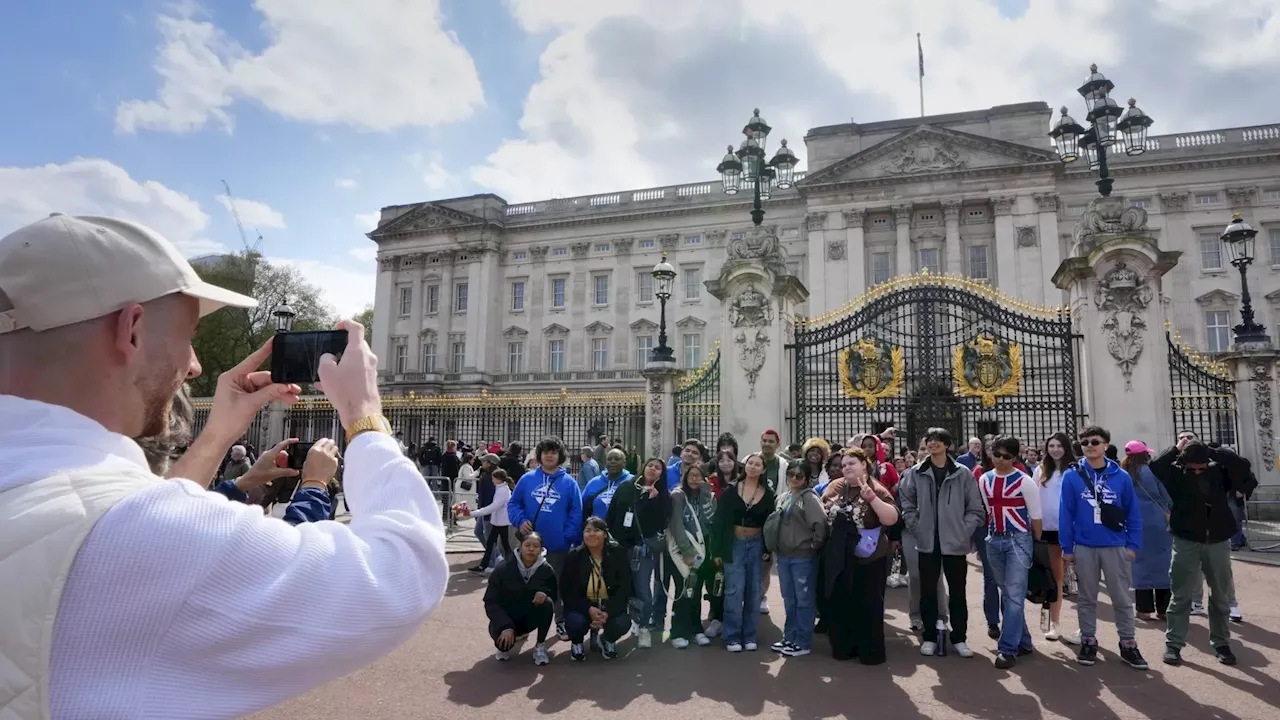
[[920, 49]]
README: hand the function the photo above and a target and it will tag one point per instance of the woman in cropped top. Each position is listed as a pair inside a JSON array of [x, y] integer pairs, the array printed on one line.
[[739, 523]]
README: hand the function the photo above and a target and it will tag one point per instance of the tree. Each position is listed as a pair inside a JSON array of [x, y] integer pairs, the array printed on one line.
[[365, 318], [225, 337]]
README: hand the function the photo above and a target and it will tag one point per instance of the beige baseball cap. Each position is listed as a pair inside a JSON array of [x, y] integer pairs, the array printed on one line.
[[64, 270]]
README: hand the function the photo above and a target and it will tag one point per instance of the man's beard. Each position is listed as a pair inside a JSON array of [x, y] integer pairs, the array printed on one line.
[[158, 404]]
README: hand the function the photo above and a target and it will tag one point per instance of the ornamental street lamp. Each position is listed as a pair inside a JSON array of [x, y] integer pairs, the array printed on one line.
[[1238, 239], [664, 276], [284, 316], [747, 168], [1108, 123]]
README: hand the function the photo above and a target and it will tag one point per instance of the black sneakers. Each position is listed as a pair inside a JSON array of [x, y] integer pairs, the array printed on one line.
[[1088, 653], [993, 631], [1005, 662], [1172, 655], [1225, 656], [578, 653], [561, 631], [1133, 657]]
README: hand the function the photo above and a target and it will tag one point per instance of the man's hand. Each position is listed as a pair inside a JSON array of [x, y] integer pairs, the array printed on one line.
[[539, 598], [1132, 555], [352, 383], [526, 527], [506, 640], [241, 392], [1183, 443], [321, 464], [688, 561], [1067, 559], [267, 469]]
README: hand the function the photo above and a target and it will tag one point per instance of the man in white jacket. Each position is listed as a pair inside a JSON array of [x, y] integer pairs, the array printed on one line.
[[130, 596]]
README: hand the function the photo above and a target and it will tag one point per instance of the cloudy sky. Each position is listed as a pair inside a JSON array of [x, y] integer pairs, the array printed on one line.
[[318, 112]]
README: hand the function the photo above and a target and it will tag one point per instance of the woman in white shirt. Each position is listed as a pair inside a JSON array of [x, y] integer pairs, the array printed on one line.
[[499, 523], [1056, 458]]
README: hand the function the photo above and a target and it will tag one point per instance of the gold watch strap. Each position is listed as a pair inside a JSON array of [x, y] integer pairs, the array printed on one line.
[[371, 423]]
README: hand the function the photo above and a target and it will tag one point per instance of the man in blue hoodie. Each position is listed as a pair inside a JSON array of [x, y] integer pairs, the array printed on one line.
[[599, 491], [1100, 531], [547, 500], [692, 452]]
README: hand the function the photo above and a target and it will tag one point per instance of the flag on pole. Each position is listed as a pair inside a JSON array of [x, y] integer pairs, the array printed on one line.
[[920, 48]]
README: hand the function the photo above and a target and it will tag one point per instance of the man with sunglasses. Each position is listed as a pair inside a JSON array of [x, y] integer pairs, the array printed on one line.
[[1100, 531], [1202, 525]]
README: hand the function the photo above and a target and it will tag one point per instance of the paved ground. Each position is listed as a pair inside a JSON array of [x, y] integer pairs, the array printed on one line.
[[447, 671]]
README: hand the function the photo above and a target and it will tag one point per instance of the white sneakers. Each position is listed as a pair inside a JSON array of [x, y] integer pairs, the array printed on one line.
[[702, 639], [540, 656], [713, 628], [896, 581], [1072, 638], [1236, 616], [505, 655], [751, 647], [1198, 609], [1054, 633], [679, 643], [764, 607], [928, 648], [733, 648], [644, 638], [962, 649]]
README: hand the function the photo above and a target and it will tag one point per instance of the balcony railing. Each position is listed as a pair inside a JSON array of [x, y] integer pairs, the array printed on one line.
[[612, 201], [1206, 138], [387, 377]]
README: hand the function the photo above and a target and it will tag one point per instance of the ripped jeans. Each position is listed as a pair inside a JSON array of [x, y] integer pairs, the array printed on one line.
[[798, 581]]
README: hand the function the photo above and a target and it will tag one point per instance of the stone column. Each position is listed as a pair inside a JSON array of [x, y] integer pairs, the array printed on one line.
[[444, 353], [481, 303], [1050, 246], [758, 297], [955, 248], [275, 429], [1117, 304], [855, 220], [816, 226], [1006, 254], [415, 314], [902, 224], [660, 407], [384, 309], [1254, 373]]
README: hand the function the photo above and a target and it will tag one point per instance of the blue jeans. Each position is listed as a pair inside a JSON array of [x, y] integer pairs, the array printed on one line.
[[1010, 560], [990, 588], [648, 589], [742, 579], [1237, 511], [798, 581]]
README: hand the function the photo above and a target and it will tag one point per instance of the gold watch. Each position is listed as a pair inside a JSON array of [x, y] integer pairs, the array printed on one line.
[[369, 423]]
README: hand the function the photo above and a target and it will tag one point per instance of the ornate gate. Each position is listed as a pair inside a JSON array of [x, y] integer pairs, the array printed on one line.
[[1203, 396], [697, 402], [929, 350]]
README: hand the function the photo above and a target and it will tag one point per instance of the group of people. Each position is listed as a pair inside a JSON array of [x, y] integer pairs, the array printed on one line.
[[706, 530]]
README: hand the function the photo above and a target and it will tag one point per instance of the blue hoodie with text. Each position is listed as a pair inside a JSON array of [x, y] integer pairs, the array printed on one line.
[[553, 503], [1076, 511], [598, 493]]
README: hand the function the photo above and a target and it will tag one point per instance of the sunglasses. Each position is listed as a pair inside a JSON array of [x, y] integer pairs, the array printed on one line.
[[1002, 456], [1093, 442]]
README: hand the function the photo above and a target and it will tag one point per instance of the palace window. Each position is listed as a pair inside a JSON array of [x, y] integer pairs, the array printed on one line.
[[601, 289], [428, 357], [1274, 236], [517, 295], [1210, 252], [1217, 331], [515, 357], [880, 221], [560, 252], [644, 287], [693, 350], [557, 292], [406, 300], [692, 283], [693, 240], [459, 355], [646, 244], [881, 267], [931, 260], [433, 299], [1210, 198], [555, 351], [979, 268], [1144, 203], [602, 247], [599, 353], [460, 292], [644, 348], [519, 255], [1272, 195], [400, 355], [976, 213]]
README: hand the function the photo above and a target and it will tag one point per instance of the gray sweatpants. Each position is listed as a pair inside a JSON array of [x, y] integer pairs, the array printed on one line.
[[1092, 565], [912, 558], [556, 561]]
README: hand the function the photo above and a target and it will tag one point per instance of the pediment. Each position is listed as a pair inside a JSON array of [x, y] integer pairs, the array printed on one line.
[[426, 218], [1273, 296], [1217, 297], [555, 330], [599, 328], [514, 332], [427, 334], [691, 322], [643, 325], [929, 150]]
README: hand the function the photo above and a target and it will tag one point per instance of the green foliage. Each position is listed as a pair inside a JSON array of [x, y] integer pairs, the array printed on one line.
[[365, 318], [227, 336]]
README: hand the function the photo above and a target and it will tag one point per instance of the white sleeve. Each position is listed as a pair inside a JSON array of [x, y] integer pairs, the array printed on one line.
[[183, 604], [1031, 494], [500, 497]]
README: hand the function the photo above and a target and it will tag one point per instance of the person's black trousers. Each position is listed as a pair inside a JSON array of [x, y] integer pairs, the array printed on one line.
[[956, 569], [526, 620]]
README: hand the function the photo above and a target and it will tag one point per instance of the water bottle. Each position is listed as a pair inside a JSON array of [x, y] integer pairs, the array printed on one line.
[[1073, 585], [716, 588], [1045, 618], [942, 638]]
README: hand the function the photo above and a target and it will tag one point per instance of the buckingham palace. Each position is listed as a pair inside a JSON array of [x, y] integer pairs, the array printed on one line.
[[474, 292]]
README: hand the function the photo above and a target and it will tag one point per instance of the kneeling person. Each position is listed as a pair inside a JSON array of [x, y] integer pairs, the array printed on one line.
[[521, 600], [595, 588]]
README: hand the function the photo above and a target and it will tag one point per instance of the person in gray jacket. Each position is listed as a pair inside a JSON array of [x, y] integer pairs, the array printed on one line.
[[941, 507], [693, 506], [801, 531]]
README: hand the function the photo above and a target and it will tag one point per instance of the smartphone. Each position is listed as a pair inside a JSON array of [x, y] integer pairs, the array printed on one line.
[[295, 356], [298, 454]]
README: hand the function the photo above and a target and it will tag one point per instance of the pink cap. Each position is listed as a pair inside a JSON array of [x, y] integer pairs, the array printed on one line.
[[1133, 447]]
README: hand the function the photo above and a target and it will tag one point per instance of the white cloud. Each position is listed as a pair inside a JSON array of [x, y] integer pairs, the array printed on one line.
[[364, 253], [348, 291], [436, 177], [637, 93], [346, 184], [381, 65], [368, 221], [253, 214], [91, 186]]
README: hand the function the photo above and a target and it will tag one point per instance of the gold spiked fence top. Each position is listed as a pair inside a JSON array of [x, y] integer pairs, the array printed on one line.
[[693, 377], [926, 279], [1199, 361], [484, 399]]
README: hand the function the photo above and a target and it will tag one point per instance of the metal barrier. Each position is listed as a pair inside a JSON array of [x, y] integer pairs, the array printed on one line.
[[1263, 535]]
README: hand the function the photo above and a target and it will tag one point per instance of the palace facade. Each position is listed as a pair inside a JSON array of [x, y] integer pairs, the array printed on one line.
[[476, 293]]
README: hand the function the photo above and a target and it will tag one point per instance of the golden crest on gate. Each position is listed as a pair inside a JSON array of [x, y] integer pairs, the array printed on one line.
[[871, 370], [987, 367]]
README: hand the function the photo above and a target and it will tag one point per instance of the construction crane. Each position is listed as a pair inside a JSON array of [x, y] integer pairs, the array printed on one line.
[[244, 238]]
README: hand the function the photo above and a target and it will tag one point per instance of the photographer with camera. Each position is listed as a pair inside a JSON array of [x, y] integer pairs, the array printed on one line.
[[133, 596]]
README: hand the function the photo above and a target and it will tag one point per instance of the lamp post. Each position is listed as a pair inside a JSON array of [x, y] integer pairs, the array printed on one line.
[[747, 167], [1108, 122], [664, 276], [1238, 239], [284, 316]]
